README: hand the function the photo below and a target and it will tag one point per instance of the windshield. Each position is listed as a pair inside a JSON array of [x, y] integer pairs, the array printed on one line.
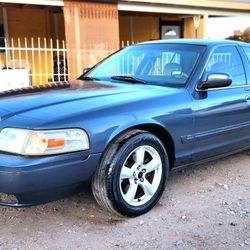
[[160, 64]]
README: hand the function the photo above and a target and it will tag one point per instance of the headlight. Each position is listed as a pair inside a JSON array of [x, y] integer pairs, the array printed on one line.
[[43, 142]]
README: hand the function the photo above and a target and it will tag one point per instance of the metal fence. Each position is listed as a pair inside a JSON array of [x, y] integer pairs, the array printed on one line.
[[32, 61], [35, 61]]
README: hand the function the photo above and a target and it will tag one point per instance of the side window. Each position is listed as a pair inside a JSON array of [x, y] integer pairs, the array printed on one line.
[[247, 52], [227, 60]]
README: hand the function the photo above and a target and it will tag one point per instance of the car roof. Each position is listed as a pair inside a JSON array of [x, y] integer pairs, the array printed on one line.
[[206, 42]]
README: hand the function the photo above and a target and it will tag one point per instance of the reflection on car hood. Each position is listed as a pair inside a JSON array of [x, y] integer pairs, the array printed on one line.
[[73, 97]]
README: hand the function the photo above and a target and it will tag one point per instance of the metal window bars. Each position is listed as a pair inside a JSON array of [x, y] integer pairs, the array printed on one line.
[[35, 61], [44, 59]]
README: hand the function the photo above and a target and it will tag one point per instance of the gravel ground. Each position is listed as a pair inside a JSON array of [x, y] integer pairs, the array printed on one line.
[[202, 208]]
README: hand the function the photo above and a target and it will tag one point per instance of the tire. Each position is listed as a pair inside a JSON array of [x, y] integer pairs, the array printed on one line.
[[132, 174]]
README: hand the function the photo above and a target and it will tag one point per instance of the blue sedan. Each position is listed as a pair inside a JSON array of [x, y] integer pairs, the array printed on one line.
[[148, 109]]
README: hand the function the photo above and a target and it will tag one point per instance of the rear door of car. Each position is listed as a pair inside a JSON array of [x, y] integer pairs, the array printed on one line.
[[222, 115]]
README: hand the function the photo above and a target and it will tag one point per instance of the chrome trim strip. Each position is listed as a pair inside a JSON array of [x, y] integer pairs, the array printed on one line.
[[214, 132]]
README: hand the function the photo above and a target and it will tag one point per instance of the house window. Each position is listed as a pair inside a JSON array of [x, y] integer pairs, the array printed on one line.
[[171, 30], [2, 44]]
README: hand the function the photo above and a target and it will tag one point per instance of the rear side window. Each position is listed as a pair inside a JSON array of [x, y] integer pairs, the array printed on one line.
[[227, 60], [247, 52]]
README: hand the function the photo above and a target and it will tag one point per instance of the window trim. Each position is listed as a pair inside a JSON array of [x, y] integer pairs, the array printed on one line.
[[246, 61]]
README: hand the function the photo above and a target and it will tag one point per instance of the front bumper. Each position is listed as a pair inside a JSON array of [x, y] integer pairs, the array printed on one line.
[[36, 180]]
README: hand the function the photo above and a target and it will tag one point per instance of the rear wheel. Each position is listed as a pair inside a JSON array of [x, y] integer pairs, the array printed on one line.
[[132, 174]]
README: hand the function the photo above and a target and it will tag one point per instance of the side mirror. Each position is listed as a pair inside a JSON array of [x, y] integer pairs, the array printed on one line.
[[215, 81], [85, 70]]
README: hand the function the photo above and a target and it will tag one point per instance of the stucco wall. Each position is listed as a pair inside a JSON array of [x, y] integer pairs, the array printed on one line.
[[144, 28], [32, 23], [92, 33]]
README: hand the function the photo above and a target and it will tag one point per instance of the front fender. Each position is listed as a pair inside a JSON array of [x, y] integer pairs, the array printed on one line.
[[138, 124]]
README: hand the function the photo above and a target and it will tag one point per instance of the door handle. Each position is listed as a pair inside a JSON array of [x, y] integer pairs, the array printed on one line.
[[248, 97]]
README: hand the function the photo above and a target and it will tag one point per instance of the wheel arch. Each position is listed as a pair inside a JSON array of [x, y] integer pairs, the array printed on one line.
[[164, 136], [158, 131]]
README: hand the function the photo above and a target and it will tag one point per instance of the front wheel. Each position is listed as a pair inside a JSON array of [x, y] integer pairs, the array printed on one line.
[[132, 174]]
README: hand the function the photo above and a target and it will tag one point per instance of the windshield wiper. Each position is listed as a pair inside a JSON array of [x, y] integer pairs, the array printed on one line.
[[88, 78], [128, 79]]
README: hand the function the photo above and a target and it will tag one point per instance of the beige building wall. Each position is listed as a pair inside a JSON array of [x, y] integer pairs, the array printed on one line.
[[92, 32], [143, 28], [146, 28], [33, 23], [124, 29], [28, 23]]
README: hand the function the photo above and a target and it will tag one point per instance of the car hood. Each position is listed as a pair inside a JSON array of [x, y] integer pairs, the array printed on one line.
[[26, 100], [76, 97]]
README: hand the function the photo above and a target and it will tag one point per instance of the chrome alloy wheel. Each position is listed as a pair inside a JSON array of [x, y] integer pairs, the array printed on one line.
[[140, 175]]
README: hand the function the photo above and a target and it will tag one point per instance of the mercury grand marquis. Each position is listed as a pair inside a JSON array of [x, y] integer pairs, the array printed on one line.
[[147, 110]]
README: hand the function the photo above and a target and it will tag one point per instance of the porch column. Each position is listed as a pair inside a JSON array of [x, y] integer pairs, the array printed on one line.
[[92, 33], [190, 31], [204, 23]]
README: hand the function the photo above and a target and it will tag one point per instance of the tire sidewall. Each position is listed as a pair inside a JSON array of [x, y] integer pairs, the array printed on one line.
[[116, 166]]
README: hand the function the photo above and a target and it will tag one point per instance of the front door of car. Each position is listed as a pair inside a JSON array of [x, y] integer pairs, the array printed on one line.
[[221, 115]]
